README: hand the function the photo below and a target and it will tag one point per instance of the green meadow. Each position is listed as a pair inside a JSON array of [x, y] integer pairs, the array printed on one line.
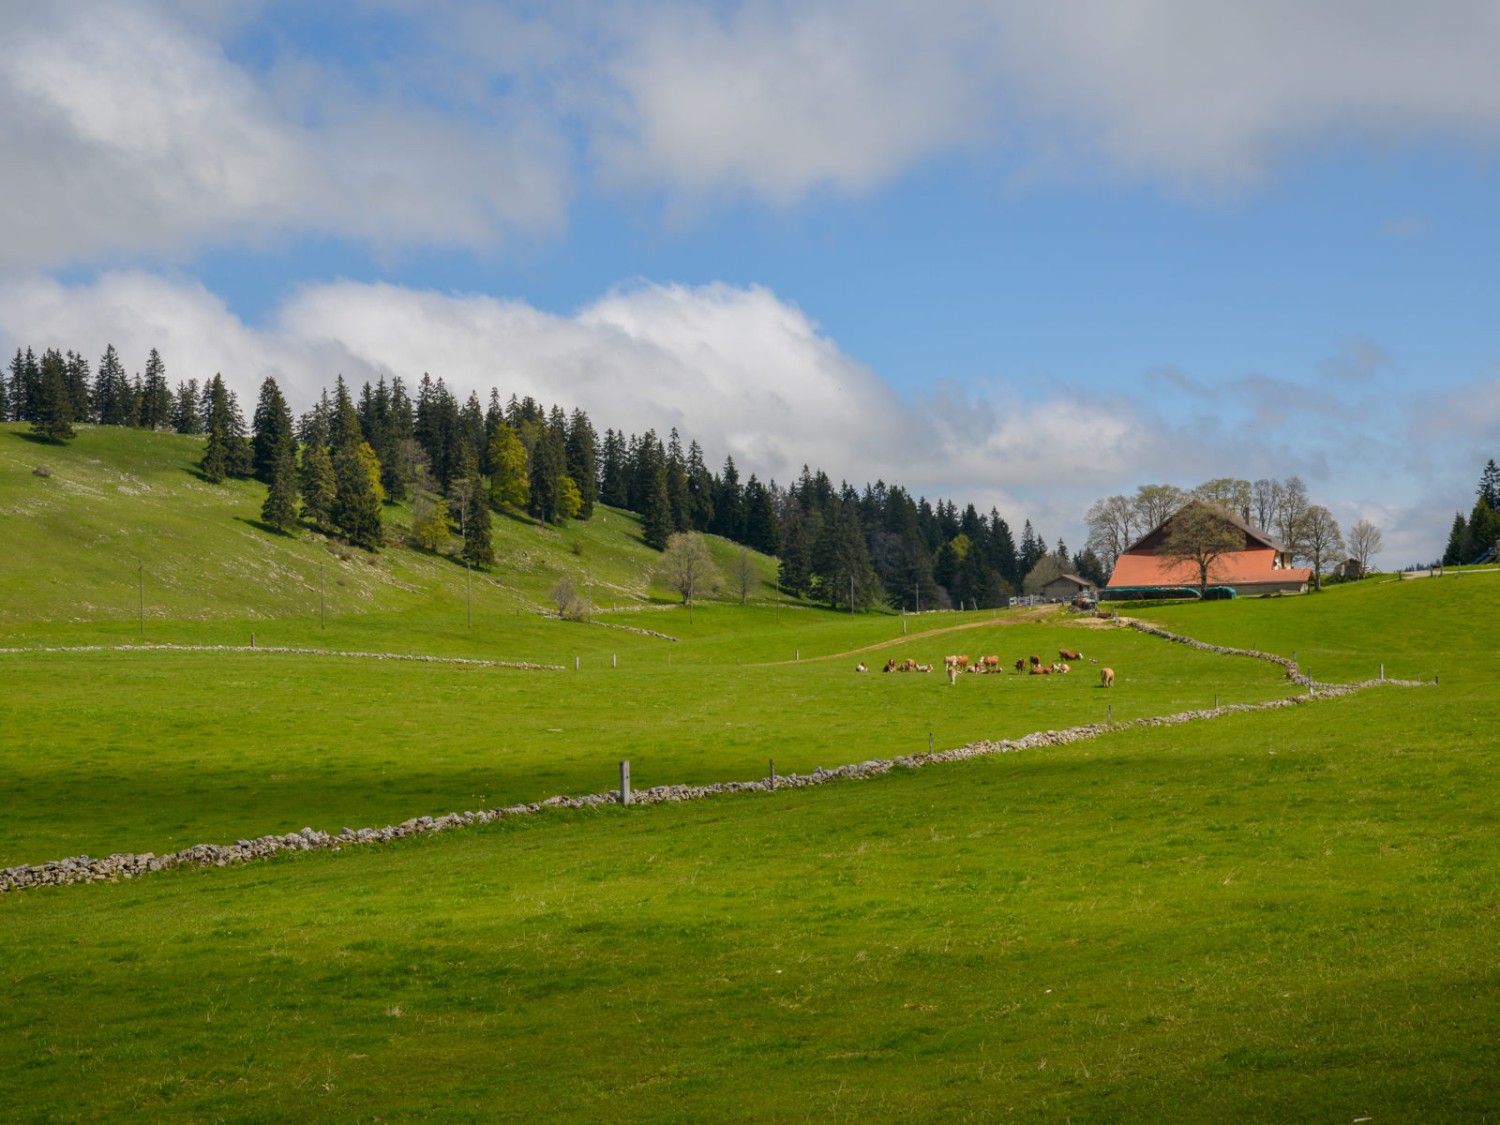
[[1287, 915]]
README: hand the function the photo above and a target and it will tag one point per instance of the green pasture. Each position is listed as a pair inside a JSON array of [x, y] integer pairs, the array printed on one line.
[[154, 751], [1170, 925], [1288, 915]]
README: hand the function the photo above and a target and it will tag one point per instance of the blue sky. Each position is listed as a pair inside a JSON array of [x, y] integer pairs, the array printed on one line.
[[1020, 255]]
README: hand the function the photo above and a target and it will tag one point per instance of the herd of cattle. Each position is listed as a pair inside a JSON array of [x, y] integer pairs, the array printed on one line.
[[1027, 665]]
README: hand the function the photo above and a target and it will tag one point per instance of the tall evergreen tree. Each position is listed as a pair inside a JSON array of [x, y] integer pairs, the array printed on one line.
[[613, 487], [794, 575], [280, 507], [186, 407], [26, 387], [549, 463], [1489, 485], [155, 411], [762, 530], [678, 497], [357, 495], [111, 390], [656, 514], [318, 487], [729, 504], [79, 381], [53, 418], [273, 431], [473, 506], [700, 481], [583, 465]]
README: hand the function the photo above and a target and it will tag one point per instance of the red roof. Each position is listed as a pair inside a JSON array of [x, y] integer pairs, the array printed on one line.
[[1241, 568]]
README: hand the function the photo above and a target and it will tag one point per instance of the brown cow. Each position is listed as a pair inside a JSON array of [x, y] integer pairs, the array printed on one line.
[[1107, 677], [1021, 665], [1069, 654], [1035, 660], [992, 664]]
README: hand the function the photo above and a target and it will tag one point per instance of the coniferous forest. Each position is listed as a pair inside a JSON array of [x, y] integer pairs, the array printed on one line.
[[338, 465]]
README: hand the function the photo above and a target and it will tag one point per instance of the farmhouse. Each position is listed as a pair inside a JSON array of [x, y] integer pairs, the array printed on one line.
[[1262, 566]]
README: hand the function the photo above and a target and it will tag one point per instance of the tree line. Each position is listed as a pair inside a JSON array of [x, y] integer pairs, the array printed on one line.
[[455, 462], [1475, 536]]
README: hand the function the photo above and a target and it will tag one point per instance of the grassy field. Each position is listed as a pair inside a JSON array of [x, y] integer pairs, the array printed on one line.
[[1279, 916]]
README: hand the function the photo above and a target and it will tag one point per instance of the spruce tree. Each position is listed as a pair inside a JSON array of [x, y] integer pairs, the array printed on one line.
[[272, 431], [111, 390], [78, 387], [795, 573], [548, 466], [1489, 485], [53, 418], [280, 508], [186, 408], [356, 499], [318, 487], [478, 549], [156, 396], [583, 464], [656, 519]]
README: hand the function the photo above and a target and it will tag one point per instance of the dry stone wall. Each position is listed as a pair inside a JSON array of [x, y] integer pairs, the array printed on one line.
[[83, 869]]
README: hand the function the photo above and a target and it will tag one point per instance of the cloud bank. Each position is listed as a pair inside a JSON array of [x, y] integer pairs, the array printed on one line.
[[749, 375], [136, 126]]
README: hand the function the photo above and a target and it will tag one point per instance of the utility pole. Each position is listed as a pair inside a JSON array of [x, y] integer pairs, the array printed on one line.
[[322, 598], [140, 580]]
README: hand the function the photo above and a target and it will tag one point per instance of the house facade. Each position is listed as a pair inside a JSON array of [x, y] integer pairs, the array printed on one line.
[[1263, 565]]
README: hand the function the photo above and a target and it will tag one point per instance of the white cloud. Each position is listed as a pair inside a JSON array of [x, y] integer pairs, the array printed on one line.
[[126, 130]]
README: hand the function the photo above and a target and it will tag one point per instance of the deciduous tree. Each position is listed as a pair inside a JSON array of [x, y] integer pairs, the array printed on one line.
[[1201, 536]]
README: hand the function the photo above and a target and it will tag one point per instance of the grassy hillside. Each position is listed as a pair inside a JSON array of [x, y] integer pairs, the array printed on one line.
[[1278, 916], [121, 509]]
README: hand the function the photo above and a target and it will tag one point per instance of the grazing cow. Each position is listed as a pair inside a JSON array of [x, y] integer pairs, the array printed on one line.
[[1035, 660], [1021, 665], [992, 664], [860, 667], [1107, 677], [1069, 654]]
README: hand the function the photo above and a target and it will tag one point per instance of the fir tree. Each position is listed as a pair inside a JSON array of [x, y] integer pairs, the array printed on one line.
[[318, 487], [656, 518], [613, 489], [583, 464], [475, 513], [357, 496], [762, 530], [155, 411], [273, 431], [111, 390], [729, 504], [280, 508], [78, 387], [53, 418], [549, 462], [1489, 485], [185, 408], [794, 575]]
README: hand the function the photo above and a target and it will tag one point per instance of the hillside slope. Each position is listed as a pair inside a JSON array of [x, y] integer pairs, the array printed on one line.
[[118, 513]]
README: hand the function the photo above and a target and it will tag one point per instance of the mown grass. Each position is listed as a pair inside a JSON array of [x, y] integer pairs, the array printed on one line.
[[152, 751], [1281, 916], [1165, 925]]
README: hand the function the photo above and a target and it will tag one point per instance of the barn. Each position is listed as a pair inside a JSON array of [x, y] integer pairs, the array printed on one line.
[[1262, 566]]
